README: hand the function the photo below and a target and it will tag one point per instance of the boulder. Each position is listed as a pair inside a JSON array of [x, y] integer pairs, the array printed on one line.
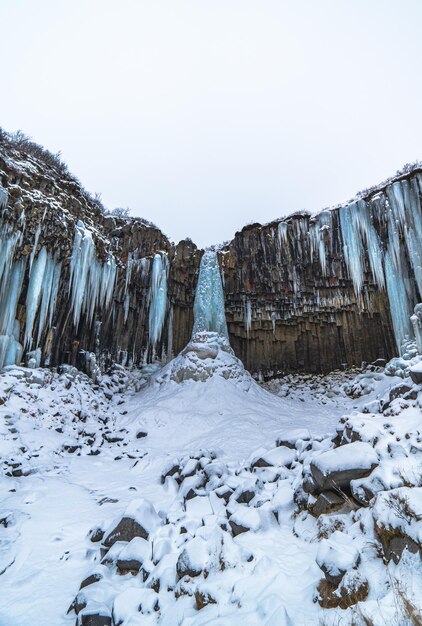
[[100, 617], [415, 373], [336, 556], [139, 520], [327, 502], [337, 467], [399, 391], [397, 520]]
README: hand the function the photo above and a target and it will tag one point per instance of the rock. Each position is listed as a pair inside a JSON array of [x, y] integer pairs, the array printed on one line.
[[97, 534], [327, 502], [193, 559], [244, 519], [141, 434], [380, 363], [94, 617], [289, 438], [237, 529], [280, 456], [347, 594], [245, 496], [133, 555], [337, 555], [202, 599], [398, 391], [397, 514], [90, 580], [415, 373], [337, 467], [139, 520]]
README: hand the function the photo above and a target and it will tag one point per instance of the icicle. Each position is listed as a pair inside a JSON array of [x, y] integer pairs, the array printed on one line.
[[248, 317], [3, 198], [157, 298], [91, 283], [282, 233], [416, 320], [208, 309], [50, 288], [34, 293], [316, 233], [34, 247], [10, 348], [170, 334], [352, 246], [398, 298]]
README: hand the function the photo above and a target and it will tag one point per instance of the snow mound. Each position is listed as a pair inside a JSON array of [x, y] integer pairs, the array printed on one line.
[[208, 354]]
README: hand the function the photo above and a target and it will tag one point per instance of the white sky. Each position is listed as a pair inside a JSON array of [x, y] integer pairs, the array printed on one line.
[[204, 115]]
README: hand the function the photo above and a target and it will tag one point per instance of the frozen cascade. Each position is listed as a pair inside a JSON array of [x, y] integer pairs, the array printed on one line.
[[359, 234], [416, 320], [34, 294], [248, 317], [208, 308], [3, 198], [41, 295], [398, 299], [11, 279], [157, 298], [91, 283], [317, 231], [10, 348]]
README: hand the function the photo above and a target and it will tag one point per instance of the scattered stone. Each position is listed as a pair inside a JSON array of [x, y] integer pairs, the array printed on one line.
[[327, 502]]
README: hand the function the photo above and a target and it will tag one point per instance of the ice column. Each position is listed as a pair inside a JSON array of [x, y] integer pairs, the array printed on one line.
[[416, 320], [3, 198], [208, 309], [157, 298]]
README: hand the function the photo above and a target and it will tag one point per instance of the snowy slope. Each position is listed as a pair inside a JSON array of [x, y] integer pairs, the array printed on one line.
[[204, 405]]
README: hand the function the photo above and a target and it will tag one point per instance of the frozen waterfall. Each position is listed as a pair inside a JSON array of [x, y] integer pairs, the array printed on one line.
[[208, 309], [157, 298]]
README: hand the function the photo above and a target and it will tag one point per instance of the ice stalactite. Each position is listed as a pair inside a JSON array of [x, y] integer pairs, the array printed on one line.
[[41, 295], [157, 298], [11, 279], [3, 198], [248, 317], [208, 308], [416, 320], [170, 334], [400, 307], [322, 224], [359, 235], [10, 349], [91, 283]]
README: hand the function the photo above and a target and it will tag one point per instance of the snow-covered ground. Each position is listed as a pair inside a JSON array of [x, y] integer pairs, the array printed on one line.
[[232, 539]]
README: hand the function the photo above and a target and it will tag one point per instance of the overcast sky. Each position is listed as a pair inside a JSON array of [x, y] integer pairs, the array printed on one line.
[[204, 115]]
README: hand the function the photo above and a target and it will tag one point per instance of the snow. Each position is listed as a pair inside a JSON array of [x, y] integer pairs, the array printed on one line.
[[337, 554], [72, 463], [356, 455]]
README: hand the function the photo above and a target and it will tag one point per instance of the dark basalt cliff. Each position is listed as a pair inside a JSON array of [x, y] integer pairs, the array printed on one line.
[[308, 293], [299, 318]]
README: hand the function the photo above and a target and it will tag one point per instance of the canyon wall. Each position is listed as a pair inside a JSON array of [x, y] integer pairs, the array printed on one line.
[[307, 293]]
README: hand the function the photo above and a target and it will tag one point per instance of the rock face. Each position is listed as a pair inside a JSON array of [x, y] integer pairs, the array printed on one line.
[[308, 293]]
